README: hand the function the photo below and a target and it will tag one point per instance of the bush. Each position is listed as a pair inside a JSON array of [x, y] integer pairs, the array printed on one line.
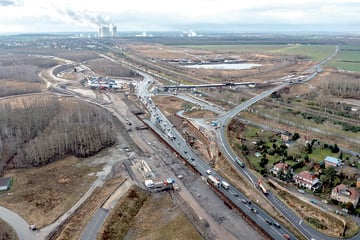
[[295, 137], [297, 165]]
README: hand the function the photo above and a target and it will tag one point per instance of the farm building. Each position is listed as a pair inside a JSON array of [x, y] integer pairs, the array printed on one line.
[[5, 184]]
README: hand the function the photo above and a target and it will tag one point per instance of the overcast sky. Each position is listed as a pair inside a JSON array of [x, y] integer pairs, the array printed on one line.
[[177, 15]]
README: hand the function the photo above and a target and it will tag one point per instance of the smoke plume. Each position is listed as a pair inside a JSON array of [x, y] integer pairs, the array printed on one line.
[[84, 17]]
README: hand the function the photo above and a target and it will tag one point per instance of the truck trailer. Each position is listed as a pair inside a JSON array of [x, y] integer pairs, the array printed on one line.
[[262, 187], [213, 181]]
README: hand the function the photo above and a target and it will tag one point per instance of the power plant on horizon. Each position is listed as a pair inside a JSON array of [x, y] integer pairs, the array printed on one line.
[[107, 31]]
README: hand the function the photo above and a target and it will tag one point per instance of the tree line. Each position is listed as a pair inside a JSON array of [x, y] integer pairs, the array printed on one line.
[[343, 85], [46, 128], [19, 73], [23, 67], [108, 68]]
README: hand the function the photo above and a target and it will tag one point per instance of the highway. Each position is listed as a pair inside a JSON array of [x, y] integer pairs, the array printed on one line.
[[160, 124], [187, 86]]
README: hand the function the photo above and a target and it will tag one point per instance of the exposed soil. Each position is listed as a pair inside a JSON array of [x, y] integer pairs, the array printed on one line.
[[40, 195], [161, 218], [168, 104], [200, 114], [74, 227]]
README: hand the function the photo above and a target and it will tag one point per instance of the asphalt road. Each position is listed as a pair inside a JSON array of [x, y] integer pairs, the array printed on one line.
[[162, 126], [93, 227], [20, 226]]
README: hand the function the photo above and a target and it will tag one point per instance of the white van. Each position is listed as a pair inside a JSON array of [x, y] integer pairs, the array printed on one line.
[[225, 185]]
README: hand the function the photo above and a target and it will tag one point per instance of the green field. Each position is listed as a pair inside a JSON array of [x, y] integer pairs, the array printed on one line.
[[348, 59], [313, 52]]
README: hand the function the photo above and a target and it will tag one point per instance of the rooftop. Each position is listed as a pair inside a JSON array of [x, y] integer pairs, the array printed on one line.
[[347, 191], [4, 182], [306, 175], [332, 160], [281, 165], [286, 133]]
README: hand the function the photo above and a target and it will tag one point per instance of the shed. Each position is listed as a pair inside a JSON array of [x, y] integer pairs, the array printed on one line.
[[332, 161], [5, 184]]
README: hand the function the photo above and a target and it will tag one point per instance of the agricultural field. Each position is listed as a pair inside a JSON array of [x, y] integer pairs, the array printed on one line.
[[348, 59], [313, 52]]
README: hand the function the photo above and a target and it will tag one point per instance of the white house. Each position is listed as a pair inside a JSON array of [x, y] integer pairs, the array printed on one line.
[[306, 179]]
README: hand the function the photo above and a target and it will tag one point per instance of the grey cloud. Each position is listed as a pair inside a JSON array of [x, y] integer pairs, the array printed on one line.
[[6, 3]]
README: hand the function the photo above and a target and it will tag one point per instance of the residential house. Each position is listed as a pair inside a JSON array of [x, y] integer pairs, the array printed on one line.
[[286, 136], [358, 183], [345, 194], [332, 161], [5, 184], [307, 179], [284, 167]]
